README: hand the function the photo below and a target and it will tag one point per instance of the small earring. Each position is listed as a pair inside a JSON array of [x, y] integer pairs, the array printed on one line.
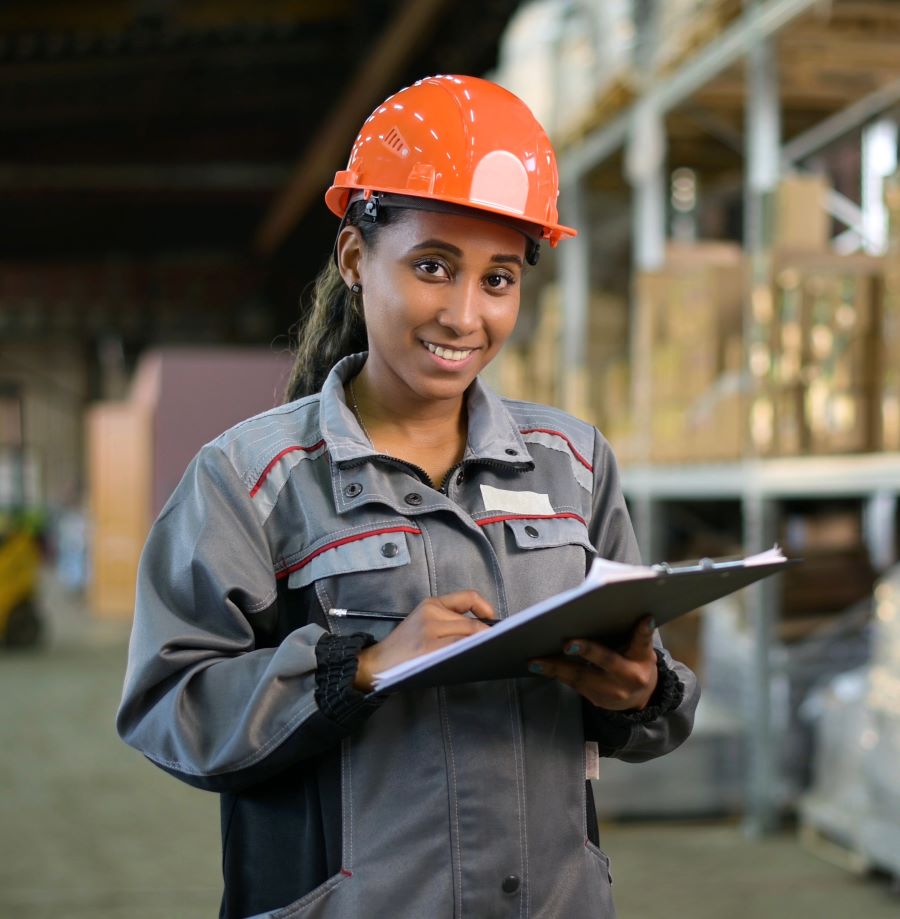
[[356, 288]]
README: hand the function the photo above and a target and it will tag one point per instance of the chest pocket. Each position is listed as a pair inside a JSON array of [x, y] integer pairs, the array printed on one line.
[[368, 582], [549, 533], [545, 556]]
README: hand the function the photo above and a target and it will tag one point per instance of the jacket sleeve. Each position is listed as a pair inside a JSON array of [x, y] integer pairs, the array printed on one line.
[[200, 699], [668, 719]]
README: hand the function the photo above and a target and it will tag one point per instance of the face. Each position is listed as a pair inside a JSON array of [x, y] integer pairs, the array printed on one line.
[[440, 296]]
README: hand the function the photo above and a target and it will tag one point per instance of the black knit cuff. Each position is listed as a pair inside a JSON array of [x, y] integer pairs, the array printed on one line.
[[667, 696], [336, 666]]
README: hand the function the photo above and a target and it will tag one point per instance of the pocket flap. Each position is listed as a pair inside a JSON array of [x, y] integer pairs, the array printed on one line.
[[546, 532], [365, 552]]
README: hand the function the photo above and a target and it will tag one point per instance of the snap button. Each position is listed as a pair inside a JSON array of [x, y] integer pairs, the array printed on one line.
[[532, 532], [389, 549], [353, 489], [510, 884], [511, 452], [459, 478], [413, 498]]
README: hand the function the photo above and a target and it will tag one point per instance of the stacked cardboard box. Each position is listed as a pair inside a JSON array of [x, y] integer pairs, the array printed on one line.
[[616, 418], [814, 355], [822, 350], [597, 395], [687, 392], [798, 223]]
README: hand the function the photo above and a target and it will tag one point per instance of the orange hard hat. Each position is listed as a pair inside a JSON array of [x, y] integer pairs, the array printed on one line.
[[451, 142]]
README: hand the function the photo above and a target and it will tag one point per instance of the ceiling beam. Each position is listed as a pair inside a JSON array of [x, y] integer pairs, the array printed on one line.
[[373, 81], [18, 178]]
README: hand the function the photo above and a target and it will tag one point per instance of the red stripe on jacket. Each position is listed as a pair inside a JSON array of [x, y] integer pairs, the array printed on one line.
[[486, 520], [575, 453], [275, 460]]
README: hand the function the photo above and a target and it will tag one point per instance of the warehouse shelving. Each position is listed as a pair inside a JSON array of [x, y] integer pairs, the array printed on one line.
[[791, 68], [857, 475]]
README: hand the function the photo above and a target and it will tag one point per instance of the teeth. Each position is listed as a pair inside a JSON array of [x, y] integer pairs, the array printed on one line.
[[446, 353]]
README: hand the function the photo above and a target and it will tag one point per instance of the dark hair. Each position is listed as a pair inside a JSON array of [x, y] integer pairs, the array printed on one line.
[[332, 324]]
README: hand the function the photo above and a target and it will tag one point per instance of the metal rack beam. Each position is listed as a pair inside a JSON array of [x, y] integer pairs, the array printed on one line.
[[844, 476], [757, 23]]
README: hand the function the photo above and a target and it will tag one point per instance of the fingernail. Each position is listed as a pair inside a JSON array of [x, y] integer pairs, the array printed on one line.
[[573, 648], [536, 667]]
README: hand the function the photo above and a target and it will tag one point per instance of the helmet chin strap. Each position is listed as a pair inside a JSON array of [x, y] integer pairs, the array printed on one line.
[[377, 200]]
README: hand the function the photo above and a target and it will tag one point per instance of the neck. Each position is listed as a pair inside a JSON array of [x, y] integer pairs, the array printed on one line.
[[388, 406]]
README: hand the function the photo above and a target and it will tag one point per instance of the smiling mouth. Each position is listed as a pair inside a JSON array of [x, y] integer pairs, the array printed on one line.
[[449, 354]]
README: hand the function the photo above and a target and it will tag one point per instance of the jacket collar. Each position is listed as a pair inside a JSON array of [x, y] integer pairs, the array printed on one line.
[[493, 434]]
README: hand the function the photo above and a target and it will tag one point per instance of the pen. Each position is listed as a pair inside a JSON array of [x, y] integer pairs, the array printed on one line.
[[340, 612]]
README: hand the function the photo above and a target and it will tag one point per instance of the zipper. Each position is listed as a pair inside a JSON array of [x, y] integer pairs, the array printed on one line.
[[391, 461], [477, 461]]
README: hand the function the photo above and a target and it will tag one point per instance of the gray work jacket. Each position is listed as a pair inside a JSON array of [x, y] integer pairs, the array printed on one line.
[[466, 801]]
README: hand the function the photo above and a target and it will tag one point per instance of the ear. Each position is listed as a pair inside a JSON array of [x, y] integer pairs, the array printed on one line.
[[350, 246]]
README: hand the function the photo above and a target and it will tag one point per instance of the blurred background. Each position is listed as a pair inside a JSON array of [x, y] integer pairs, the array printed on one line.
[[729, 316]]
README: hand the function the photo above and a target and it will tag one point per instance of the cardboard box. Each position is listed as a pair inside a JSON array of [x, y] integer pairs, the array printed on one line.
[[688, 334], [799, 218], [790, 428], [761, 424], [837, 420], [826, 355]]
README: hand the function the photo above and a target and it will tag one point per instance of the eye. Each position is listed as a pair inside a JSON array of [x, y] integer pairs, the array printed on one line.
[[499, 280], [433, 267]]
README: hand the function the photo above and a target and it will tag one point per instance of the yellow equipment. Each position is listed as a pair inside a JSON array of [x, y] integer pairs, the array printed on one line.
[[20, 557], [20, 550]]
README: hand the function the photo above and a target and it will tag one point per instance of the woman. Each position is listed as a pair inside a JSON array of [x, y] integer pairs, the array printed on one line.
[[392, 505]]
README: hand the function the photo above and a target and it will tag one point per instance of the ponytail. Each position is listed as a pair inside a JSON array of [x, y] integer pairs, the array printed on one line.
[[333, 324]]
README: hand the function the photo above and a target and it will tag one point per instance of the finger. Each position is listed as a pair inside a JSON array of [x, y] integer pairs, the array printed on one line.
[[593, 652], [597, 686], [454, 625], [578, 675], [641, 643], [465, 626], [462, 601]]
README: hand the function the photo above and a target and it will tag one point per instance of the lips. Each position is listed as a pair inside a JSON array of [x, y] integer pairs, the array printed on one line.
[[448, 354]]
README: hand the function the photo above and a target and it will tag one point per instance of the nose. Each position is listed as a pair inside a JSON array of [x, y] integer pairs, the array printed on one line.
[[461, 312]]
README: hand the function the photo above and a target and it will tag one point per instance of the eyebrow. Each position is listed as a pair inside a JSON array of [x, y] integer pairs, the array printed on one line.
[[458, 253]]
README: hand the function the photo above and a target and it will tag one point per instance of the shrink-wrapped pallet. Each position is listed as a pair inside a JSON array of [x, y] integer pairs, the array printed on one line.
[[881, 745]]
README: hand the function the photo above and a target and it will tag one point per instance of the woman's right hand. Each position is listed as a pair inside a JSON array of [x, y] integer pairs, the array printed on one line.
[[434, 623]]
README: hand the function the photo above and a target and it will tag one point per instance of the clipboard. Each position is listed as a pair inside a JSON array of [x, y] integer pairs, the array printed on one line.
[[604, 607]]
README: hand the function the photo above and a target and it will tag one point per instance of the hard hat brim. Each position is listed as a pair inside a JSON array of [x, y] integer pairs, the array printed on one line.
[[338, 197]]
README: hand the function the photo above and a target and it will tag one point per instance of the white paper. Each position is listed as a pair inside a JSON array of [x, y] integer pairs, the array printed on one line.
[[606, 571], [764, 558]]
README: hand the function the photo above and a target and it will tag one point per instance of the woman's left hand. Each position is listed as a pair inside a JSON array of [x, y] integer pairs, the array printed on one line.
[[607, 679]]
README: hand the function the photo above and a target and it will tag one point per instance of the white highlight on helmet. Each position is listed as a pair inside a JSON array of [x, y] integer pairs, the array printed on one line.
[[500, 181]]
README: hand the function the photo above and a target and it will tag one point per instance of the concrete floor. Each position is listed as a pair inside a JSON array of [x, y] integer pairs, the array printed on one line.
[[89, 828]]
